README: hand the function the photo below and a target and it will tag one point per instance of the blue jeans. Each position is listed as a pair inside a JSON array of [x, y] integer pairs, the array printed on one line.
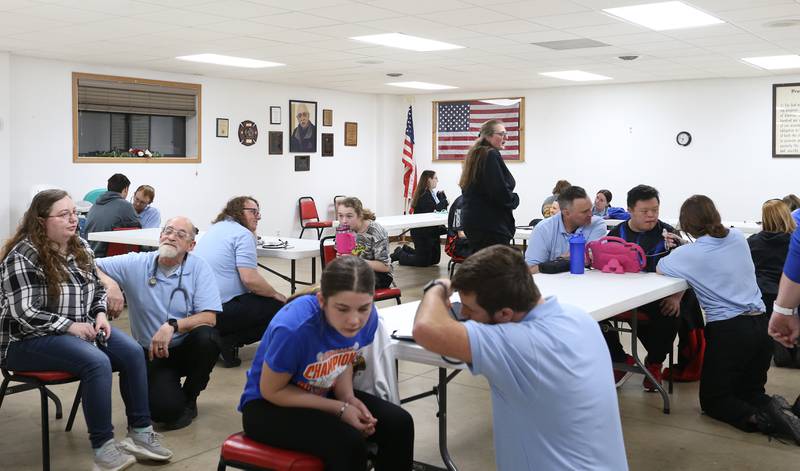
[[93, 366]]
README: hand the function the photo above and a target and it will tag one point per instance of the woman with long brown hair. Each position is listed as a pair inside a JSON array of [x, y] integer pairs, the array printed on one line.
[[426, 251], [488, 189], [53, 317]]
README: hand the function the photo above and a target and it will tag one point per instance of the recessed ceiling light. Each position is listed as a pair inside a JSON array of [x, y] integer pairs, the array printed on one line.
[[664, 16], [404, 41], [575, 75], [791, 61], [421, 85], [229, 61]]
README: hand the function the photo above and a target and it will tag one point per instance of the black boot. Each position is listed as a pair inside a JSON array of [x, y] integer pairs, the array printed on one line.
[[776, 418]]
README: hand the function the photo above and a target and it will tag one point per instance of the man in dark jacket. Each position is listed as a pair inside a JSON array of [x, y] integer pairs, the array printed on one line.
[[110, 211]]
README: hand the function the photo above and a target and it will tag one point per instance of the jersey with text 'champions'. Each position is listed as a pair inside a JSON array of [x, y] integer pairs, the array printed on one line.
[[299, 341]]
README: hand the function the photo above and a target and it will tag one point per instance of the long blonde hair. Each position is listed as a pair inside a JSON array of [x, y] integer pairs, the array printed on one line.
[[775, 217], [476, 155], [355, 204]]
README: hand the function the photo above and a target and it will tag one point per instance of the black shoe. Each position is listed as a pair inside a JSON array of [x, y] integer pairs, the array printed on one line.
[[796, 406], [777, 418], [184, 420], [395, 256], [191, 406], [229, 353]]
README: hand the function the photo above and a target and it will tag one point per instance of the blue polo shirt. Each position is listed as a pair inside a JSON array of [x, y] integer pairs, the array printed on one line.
[[150, 218], [226, 247], [792, 266], [721, 272], [554, 404], [150, 306], [550, 238]]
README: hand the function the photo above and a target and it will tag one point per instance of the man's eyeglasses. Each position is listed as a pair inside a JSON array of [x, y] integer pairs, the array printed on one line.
[[65, 215], [139, 202], [256, 211], [179, 233], [300, 115]]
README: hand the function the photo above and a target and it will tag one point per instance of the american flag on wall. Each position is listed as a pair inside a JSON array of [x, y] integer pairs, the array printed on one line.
[[458, 124]]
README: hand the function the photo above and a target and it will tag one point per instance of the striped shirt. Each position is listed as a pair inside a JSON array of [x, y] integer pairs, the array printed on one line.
[[25, 309]]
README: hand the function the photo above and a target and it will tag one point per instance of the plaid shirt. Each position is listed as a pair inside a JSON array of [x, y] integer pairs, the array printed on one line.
[[25, 309]]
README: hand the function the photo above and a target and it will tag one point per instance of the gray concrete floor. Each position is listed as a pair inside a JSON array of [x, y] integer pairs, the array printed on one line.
[[683, 440]]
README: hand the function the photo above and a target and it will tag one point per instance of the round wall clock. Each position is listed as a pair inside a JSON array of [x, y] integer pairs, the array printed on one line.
[[683, 138], [248, 133]]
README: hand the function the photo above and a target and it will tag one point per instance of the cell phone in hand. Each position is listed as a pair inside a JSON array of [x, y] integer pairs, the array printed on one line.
[[455, 311]]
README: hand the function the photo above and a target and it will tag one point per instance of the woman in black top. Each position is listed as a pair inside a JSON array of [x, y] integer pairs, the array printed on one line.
[[488, 189], [427, 251], [769, 248]]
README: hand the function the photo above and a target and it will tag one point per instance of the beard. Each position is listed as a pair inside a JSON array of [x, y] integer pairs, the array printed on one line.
[[167, 251]]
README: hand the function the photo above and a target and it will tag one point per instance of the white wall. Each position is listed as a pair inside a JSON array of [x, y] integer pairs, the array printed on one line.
[[42, 144], [5, 143], [617, 136]]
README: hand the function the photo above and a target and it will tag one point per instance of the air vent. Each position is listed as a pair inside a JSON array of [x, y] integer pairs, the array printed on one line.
[[782, 23], [565, 44], [369, 61]]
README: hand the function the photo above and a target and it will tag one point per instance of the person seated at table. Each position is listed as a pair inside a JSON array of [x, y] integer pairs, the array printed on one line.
[[793, 201], [149, 216], [719, 268], [299, 393], [645, 229], [110, 211], [372, 240], [457, 244], [547, 204], [53, 310], [427, 250], [602, 201], [551, 210], [173, 301], [769, 249], [249, 302], [553, 402], [550, 238]]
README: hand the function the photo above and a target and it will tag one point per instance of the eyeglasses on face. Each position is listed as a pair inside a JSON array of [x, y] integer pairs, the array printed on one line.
[[65, 215], [179, 233], [503, 133], [256, 212]]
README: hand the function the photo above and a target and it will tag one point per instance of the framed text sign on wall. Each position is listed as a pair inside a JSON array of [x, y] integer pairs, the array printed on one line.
[[786, 120], [456, 125]]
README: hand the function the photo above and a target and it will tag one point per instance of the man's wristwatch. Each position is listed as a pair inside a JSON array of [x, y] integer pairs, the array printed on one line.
[[174, 324], [433, 283], [782, 310]]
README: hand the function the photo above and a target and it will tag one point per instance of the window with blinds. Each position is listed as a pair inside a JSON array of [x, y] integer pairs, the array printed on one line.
[[116, 117]]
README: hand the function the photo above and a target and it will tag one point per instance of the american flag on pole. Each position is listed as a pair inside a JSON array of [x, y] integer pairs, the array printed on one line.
[[410, 170], [458, 124]]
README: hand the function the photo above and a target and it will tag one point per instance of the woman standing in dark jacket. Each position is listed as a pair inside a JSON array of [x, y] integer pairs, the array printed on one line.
[[769, 248], [427, 251], [488, 189]]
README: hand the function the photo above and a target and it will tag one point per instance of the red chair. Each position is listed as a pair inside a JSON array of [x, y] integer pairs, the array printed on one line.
[[309, 218], [327, 252], [40, 380], [240, 452], [115, 248]]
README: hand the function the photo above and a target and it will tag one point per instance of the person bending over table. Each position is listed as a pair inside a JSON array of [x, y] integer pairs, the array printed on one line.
[[249, 302], [372, 240], [149, 216], [549, 240], [54, 309], [173, 301], [554, 405], [427, 250], [299, 393], [719, 268]]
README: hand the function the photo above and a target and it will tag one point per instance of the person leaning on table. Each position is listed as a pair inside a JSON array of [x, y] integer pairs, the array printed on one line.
[[554, 404]]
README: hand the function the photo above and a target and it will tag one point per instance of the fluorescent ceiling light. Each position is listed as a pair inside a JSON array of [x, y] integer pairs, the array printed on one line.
[[791, 61], [575, 75], [404, 41], [229, 60], [663, 16], [421, 85]]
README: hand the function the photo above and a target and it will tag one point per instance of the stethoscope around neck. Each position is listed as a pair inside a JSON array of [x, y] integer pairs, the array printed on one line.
[[152, 281]]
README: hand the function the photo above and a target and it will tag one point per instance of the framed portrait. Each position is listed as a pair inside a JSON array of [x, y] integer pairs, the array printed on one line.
[[327, 144], [222, 127], [302, 126], [302, 163], [350, 134], [786, 120], [456, 125], [327, 117], [274, 115], [275, 143]]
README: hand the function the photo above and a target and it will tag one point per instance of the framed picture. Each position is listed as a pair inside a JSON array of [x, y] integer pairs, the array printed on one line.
[[350, 134], [786, 120], [275, 143], [222, 127], [327, 117], [456, 125], [248, 133], [274, 115], [327, 144], [302, 126], [302, 163]]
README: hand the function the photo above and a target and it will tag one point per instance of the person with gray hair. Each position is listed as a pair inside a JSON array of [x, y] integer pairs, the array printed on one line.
[[304, 135]]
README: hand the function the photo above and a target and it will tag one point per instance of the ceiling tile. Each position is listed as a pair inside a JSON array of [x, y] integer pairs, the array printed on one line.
[[295, 20], [420, 7], [502, 28], [576, 20], [468, 16], [356, 13], [238, 9]]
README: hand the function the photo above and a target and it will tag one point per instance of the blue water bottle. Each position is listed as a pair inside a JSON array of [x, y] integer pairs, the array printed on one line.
[[577, 248]]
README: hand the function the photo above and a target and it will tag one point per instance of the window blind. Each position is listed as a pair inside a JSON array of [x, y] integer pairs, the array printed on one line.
[[135, 98]]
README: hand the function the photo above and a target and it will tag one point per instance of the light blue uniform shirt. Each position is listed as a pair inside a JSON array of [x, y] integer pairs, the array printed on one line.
[[151, 306], [550, 238], [150, 218], [227, 246], [721, 272], [554, 403]]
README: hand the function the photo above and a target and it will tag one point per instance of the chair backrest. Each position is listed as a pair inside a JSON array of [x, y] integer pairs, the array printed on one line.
[[308, 209], [94, 194], [327, 251], [336, 201], [115, 248]]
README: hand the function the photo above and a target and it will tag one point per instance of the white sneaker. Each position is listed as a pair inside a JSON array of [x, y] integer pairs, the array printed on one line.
[[111, 458], [145, 445]]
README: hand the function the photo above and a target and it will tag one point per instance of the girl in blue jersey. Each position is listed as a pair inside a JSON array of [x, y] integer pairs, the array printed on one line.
[[299, 393]]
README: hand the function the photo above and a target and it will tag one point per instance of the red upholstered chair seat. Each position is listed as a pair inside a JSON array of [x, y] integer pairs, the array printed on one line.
[[386, 293], [319, 223], [45, 376], [241, 450]]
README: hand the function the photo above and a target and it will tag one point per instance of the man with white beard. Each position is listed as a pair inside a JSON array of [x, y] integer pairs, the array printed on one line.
[[173, 301]]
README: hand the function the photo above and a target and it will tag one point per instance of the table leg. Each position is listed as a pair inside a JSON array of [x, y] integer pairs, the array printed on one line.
[[293, 279], [313, 270], [442, 398]]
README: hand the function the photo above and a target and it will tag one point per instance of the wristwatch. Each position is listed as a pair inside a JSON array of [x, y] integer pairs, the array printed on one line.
[[173, 323], [782, 310], [433, 283]]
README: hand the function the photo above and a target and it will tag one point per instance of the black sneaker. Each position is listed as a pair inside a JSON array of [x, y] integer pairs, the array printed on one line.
[[184, 420], [777, 418], [395, 256], [796, 406], [229, 353]]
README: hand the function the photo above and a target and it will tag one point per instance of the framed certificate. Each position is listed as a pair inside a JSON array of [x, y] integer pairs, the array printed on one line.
[[786, 120]]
